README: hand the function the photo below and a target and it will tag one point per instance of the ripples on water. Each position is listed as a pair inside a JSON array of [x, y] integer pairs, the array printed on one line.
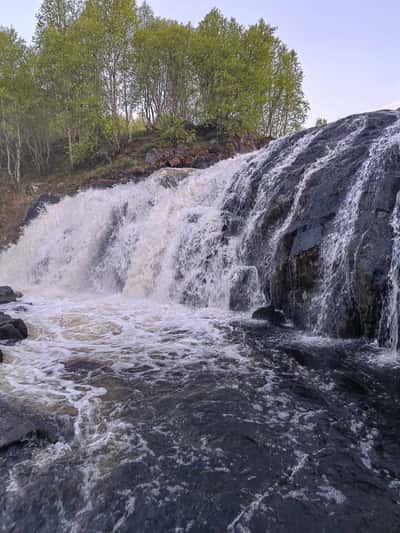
[[171, 419]]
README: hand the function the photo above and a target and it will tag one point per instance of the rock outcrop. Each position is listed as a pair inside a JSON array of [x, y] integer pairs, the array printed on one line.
[[201, 156], [322, 216], [39, 204], [269, 313], [8, 295], [19, 424], [12, 329], [14, 427]]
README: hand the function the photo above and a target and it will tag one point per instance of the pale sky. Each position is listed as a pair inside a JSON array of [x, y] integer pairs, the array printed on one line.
[[349, 49]]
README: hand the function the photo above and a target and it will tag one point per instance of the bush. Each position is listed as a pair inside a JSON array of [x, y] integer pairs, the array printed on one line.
[[174, 131]]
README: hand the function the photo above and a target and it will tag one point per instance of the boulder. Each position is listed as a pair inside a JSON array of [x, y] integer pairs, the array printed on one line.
[[19, 423], [1, 357], [7, 295], [170, 178], [38, 205], [157, 157], [14, 427], [269, 313], [12, 329]]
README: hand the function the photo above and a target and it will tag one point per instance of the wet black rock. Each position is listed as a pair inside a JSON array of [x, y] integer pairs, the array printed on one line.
[[19, 424], [8, 295], [269, 313], [14, 427], [322, 235], [21, 309], [1, 357], [12, 329], [243, 285], [38, 205], [352, 381]]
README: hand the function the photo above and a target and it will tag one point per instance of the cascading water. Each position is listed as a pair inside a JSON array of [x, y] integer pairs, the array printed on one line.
[[336, 273], [192, 417], [147, 240], [314, 168], [390, 318], [233, 236]]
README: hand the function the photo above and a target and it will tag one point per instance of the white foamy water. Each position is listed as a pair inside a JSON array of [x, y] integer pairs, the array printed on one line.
[[148, 240], [335, 250], [390, 319], [78, 365]]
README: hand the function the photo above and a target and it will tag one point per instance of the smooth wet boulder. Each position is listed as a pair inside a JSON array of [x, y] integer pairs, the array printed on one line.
[[20, 423], [1, 357], [14, 427], [12, 329], [38, 205], [269, 313], [8, 295]]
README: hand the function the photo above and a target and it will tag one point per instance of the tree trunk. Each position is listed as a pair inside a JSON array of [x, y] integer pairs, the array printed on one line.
[[70, 148], [18, 158]]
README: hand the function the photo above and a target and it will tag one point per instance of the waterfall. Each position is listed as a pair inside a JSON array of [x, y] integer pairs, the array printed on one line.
[[310, 224], [336, 278], [356, 128], [162, 239], [390, 316]]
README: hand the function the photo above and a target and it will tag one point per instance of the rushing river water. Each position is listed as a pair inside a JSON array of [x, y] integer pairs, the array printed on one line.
[[170, 419]]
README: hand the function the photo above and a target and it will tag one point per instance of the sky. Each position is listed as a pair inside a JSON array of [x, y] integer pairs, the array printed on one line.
[[349, 49]]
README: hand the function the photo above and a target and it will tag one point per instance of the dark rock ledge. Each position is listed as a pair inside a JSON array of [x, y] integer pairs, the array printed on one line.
[[14, 427], [8, 295], [21, 424], [12, 330]]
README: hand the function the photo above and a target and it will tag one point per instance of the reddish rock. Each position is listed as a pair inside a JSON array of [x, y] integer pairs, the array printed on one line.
[[175, 162]]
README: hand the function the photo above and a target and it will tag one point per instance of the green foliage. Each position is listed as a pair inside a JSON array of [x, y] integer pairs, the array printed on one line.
[[57, 13], [146, 147], [173, 131], [101, 70], [321, 122], [220, 72], [163, 70], [110, 26], [21, 105]]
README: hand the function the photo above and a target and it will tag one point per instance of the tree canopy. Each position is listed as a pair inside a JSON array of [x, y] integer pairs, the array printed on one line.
[[96, 66]]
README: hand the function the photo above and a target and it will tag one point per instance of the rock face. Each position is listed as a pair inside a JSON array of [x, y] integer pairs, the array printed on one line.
[[14, 427], [171, 177], [12, 329], [19, 423], [38, 205], [269, 313], [198, 156], [7, 295], [321, 210]]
